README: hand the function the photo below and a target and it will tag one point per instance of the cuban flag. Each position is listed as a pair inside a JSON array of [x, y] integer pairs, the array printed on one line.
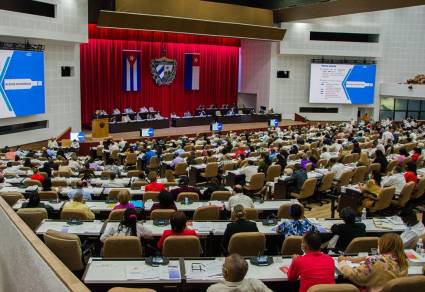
[[191, 71], [131, 70]]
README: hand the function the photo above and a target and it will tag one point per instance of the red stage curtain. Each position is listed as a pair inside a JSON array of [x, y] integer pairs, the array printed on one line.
[[158, 36], [101, 77]]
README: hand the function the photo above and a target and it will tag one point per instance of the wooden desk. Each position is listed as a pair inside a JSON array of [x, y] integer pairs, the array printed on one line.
[[102, 274], [88, 228], [137, 125]]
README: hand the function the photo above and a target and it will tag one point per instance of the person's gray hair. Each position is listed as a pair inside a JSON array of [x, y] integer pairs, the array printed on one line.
[[238, 268], [78, 195]]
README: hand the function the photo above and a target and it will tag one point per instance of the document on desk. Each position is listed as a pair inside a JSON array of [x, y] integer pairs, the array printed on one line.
[[214, 268], [205, 270], [141, 272], [220, 227], [202, 227], [93, 227], [93, 190], [397, 221], [383, 223], [353, 265]]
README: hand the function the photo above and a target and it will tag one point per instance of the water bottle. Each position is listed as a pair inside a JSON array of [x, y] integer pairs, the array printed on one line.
[[419, 247], [364, 212], [186, 201]]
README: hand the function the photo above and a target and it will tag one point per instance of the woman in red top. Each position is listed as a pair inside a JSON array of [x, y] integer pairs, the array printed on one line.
[[410, 174], [416, 153], [178, 227], [37, 175], [153, 186]]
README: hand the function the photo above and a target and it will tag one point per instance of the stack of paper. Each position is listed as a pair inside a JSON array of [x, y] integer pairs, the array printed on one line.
[[383, 223], [202, 227]]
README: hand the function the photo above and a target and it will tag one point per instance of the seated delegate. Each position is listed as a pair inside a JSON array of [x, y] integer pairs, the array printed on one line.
[[184, 187], [34, 202], [349, 230], [123, 199], [165, 201], [296, 225], [240, 225], [78, 204], [314, 267], [239, 198], [375, 271], [153, 185], [234, 270], [128, 226], [178, 228]]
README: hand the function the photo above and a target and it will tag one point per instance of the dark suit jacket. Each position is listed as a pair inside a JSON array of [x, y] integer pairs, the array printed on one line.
[[211, 189], [236, 227], [298, 178], [347, 232], [182, 189]]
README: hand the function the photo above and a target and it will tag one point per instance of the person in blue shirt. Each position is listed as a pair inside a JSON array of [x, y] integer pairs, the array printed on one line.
[[79, 189], [179, 151], [273, 154], [145, 158], [51, 153], [296, 225]]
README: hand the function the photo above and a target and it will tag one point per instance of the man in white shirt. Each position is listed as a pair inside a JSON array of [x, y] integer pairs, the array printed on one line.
[[234, 271], [52, 144], [177, 159], [128, 110], [239, 198], [74, 165], [387, 136], [143, 110], [126, 119], [116, 111], [75, 144], [249, 170], [325, 154], [337, 146], [338, 168], [122, 143], [396, 180], [114, 146]]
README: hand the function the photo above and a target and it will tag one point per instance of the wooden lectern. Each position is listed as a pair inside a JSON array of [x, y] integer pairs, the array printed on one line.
[[100, 128]]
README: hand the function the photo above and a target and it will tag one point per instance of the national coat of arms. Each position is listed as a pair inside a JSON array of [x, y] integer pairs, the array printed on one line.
[[163, 70]]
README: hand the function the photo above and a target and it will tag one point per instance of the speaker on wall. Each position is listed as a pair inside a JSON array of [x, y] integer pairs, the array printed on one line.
[[282, 74]]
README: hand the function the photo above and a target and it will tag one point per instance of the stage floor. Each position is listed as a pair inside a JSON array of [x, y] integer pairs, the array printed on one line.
[[190, 131]]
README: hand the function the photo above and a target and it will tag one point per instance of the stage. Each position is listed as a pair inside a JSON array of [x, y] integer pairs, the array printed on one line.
[[172, 132], [190, 131]]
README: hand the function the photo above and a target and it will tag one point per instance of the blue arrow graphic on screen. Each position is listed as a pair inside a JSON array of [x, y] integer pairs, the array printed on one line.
[[359, 84], [344, 83], [81, 136], [2, 75], [150, 132]]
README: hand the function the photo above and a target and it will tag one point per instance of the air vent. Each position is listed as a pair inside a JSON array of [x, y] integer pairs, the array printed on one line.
[[344, 37], [16, 128], [319, 110], [29, 7]]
